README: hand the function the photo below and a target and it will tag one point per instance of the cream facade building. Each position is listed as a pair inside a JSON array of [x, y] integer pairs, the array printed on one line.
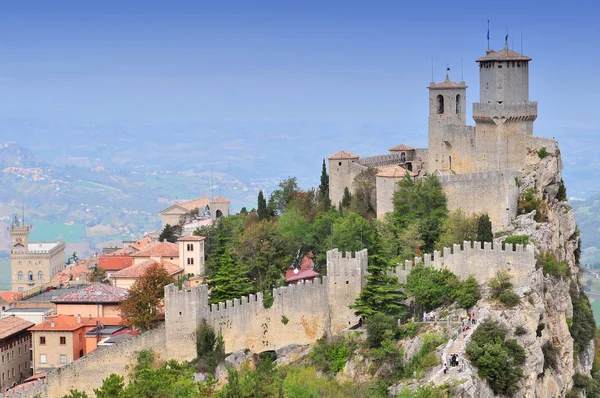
[[33, 263], [15, 346]]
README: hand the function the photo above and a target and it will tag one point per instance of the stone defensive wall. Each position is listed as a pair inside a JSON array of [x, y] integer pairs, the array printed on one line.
[[520, 111], [380, 160], [300, 314], [493, 192], [88, 372], [471, 258]]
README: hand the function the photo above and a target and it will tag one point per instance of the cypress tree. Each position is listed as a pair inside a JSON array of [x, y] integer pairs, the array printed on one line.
[[484, 229], [324, 186], [263, 212], [382, 292], [347, 198], [229, 281]]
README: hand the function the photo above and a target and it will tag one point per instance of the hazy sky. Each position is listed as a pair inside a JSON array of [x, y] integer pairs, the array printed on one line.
[[311, 61]]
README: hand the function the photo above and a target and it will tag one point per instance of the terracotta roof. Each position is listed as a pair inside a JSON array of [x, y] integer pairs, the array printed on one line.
[[95, 293], [12, 325], [141, 244], [121, 252], [11, 297], [159, 249], [190, 205], [343, 155], [111, 262], [220, 200], [394, 172], [503, 55], [61, 323], [191, 238], [402, 147], [39, 375], [72, 272], [447, 84], [137, 270], [290, 276]]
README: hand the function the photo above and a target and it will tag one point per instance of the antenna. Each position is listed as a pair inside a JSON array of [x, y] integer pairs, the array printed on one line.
[[447, 72], [433, 81], [506, 40]]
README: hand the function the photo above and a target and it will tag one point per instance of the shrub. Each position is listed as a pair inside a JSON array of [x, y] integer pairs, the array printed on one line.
[[497, 360], [425, 358], [409, 329], [500, 283], [210, 348], [268, 300], [467, 292], [543, 152], [381, 327], [530, 202], [509, 299], [431, 287], [550, 354], [584, 325], [331, 356], [551, 266], [284, 319], [562, 191], [516, 239], [520, 331]]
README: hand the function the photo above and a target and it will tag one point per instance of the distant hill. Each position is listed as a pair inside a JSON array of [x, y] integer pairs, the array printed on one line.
[[13, 155]]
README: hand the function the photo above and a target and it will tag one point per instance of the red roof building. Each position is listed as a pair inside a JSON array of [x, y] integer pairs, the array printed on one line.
[[115, 262]]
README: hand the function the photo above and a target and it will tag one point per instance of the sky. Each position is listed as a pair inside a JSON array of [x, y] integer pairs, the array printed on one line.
[[347, 62]]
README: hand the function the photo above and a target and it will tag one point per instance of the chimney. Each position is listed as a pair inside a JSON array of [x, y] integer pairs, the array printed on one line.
[[78, 318]]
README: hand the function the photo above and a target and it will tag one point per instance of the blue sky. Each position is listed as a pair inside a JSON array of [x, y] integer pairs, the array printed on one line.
[[343, 62]]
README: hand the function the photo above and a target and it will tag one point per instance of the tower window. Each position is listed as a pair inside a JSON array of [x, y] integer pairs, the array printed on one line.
[[40, 276], [440, 104], [457, 104], [30, 276], [20, 275]]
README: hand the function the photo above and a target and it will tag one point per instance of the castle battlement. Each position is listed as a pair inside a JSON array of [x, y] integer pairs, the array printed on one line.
[[518, 111], [381, 160], [479, 176]]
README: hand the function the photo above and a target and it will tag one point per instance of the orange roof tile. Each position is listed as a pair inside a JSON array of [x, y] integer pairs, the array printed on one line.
[[503, 55], [95, 293], [61, 323], [191, 238], [220, 200], [159, 249], [11, 297], [111, 262], [12, 325], [447, 84], [71, 272], [190, 205], [402, 147], [343, 155], [394, 172], [137, 270], [141, 244]]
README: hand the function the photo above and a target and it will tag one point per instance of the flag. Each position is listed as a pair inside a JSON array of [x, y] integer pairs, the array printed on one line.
[[488, 32]]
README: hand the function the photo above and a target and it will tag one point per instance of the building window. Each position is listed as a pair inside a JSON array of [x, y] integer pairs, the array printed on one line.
[[440, 104], [40, 276], [20, 275], [63, 359], [42, 358], [30, 276], [458, 104], [190, 261], [42, 340], [190, 247], [63, 340]]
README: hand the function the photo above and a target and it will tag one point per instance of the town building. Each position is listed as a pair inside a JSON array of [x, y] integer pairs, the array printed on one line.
[[33, 314], [191, 254], [33, 263], [195, 210], [127, 277], [15, 345], [157, 251], [97, 300]]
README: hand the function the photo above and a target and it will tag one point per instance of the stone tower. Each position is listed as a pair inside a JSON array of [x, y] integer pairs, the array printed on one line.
[[447, 118], [342, 170], [504, 116]]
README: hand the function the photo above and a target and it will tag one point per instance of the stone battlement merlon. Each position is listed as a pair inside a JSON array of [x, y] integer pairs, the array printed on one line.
[[523, 111], [380, 160]]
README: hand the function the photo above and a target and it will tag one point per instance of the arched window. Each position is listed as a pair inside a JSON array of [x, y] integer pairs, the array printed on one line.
[[440, 104], [20, 276], [458, 104], [40, 276], [30, 276], [219, 213]]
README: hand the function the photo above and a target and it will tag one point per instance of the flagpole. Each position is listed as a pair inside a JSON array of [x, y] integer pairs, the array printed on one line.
[[488, 35]]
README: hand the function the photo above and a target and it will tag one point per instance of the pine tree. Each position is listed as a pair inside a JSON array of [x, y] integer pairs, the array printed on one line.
[[382, 292], [263, 212], [169, 234], [347, 198], [484, 229], [229, 281], [324, 188]]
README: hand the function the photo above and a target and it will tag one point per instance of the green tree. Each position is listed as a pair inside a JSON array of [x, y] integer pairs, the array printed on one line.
[[324, 189], [169, 234], [232, 388], [346, 199], [112, 387], [141, 308], [210, 348], [76, 394], [263, 212], [230, 280], [98, 274], [381, 327], [562, 191], [293, 229], [381, 293], [484, 229], [457, 228], [288, 189], [320, 238], [431, 287], [225, 233], [364, 200], [467, 294], [352, 233]]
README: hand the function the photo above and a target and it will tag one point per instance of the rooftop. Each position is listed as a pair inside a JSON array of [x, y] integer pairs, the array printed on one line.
[[191, 238], [72, 272], [293, 275], [190, 205], [394, 171], [10, 297], [343, 155], [70, 322], [401, 147], [503, 55], [447, 84], [220, 200], [159, 249], [95, 293], [33, 310], [12, 325], [42, 246], [112, 262], [137, 270], [52, 294], [140, 244]]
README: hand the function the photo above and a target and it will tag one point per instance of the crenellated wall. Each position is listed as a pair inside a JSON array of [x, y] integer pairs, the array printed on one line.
[[481, 261]]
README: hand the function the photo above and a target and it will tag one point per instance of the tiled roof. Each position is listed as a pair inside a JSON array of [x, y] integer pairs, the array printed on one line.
[[72, 272], [159, 249], [137, 270], [220, 200], [141, 244], [111, 262], [447, 84], [190, 205], [503, 55], [402, 147], [343, 155], [63, 322], [394, 172], [122, 252], [95, 293], [11, 297], [13, 324], [290, 276], [191, 238]]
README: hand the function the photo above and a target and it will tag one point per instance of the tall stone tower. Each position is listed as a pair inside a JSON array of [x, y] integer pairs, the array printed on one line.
[[447, 117], [504, 116], [342, 170]]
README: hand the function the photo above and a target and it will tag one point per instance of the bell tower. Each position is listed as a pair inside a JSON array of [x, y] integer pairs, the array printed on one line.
[[19, 237]]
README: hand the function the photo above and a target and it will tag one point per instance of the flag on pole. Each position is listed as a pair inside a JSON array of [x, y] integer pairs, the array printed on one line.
[[488, 32]]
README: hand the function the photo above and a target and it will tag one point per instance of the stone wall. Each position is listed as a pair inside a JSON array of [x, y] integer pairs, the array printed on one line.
[[386, 187], [494, 192], [471, 258]]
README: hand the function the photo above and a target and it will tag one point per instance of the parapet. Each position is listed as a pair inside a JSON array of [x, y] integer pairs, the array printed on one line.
[[487, 176], [520, 111], [380, 160]]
